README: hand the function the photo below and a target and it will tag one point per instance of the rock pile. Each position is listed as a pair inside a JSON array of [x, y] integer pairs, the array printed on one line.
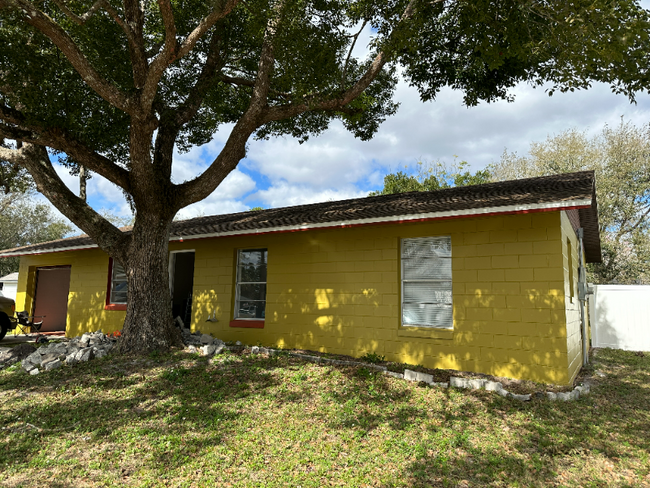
[[10, 356], [77, 350], [203, 344], [477, 384]]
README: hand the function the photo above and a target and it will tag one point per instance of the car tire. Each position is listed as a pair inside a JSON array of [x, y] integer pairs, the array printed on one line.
[[4, 323]]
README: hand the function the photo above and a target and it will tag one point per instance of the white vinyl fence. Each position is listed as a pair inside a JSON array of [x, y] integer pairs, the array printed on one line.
[[620, 317]]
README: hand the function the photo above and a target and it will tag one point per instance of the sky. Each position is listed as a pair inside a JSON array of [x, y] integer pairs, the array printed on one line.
[[281, 172]]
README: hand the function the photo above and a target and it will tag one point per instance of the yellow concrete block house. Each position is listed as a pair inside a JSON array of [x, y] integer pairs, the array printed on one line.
[[480, 278]]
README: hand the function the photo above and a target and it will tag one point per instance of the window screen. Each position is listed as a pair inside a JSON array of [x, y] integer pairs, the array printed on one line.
[[426, 282], [118, 283], [250, 293]]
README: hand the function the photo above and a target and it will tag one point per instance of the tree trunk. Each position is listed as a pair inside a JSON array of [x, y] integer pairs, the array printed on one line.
[[149, 324]]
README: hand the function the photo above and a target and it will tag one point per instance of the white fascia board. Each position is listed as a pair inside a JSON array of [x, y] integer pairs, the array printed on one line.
[[474, 212], [48, 251]]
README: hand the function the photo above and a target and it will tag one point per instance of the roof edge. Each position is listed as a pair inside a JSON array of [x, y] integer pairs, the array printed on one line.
[[397, 219]]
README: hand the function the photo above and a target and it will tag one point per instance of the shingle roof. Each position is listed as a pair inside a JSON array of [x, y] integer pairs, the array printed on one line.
[[10, 277], [572, 190]]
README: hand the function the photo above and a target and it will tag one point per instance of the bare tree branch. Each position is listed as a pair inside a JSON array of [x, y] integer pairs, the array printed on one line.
[[172, 51], [60, 140], [212, 65], [37, 162], [347, 59], [163, 59], [138, 57], [233, 151], [235, 148], [190, 41], [64, 42], [267, 59], [132, 28], [80, 19]]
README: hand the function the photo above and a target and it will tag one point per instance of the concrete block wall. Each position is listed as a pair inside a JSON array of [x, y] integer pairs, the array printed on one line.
[[338, 291], [572, 304], [87, 295]]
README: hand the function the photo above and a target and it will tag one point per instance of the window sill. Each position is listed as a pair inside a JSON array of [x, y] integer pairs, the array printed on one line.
[[247, 324], [115, 306], [425, 333]]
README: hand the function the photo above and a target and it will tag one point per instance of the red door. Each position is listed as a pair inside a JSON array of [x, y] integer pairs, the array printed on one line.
[[51, 297]]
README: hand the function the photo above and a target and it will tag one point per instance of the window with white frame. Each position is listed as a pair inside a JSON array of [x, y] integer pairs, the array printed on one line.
[[118, 288], [250, 289], [426, 282]]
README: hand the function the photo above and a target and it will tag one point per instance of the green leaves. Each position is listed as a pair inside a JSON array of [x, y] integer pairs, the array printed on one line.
[[620, 157], [431, 177], [23, 222]]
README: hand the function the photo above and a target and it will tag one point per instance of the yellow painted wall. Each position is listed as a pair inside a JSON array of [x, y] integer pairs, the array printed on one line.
[[87, 296], [338, 291], [572, 304]]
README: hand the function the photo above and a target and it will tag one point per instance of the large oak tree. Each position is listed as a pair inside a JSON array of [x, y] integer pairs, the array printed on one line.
[[115, 86]]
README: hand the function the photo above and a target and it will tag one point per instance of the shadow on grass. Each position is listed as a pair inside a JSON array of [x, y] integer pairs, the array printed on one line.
[[172, 409], [190, 396], [611, 424]]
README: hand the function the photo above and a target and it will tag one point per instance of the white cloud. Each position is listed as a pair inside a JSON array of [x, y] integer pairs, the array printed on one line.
[[284, 194], [335, 165], [227, 198]]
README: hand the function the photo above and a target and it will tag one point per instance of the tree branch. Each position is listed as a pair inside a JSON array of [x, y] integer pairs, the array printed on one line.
[[640, 220], [172, 121], [64, 42], [172, 51], [233, 151], [132, 28], [63, 141], [212, 65], [80, 19], [347, 59], [267, 59], [138, 56], [164, 58], [235, 147], [335, 104], [36, 160], [190, 41]]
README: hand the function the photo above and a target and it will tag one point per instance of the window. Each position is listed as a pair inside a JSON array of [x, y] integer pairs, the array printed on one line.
[[250, 290], [426, 282], [117, 291], [570, 266]]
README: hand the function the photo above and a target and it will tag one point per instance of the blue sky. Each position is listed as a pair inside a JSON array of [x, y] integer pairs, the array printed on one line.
[[334, 166]]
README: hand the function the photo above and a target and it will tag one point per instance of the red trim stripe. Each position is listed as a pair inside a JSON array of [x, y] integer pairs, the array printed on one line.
[[247, 324]]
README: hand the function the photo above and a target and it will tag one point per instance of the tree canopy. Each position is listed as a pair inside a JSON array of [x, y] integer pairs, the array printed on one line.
[[620, 157], [432, 176], [23, 222], [116, 86]]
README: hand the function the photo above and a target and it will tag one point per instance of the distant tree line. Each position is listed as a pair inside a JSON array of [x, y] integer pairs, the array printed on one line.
[[620, 158]]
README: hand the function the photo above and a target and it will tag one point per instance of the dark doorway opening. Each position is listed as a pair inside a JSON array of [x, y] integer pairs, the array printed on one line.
[[51, 297], [182, 278]]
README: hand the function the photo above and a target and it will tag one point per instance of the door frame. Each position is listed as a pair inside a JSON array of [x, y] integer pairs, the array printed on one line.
[[172, 265]]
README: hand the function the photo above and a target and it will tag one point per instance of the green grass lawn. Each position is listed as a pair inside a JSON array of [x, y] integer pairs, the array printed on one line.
[[181, 420]]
